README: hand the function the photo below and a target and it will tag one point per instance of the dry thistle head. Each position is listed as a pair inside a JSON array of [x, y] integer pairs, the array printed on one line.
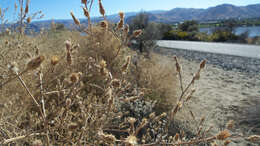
[[104, 24], [35, 63], [202, 64], [86, 13], [101, 8], [137, 33], [54, 60], [76, 21], [223, 135], [28, 20]]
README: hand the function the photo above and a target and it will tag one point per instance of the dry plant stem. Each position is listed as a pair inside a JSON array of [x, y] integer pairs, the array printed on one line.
[[19, 138], [182, 143], [6, 82], [43, 109]]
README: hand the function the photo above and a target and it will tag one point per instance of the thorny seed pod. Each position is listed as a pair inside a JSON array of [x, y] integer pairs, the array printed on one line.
[[28, 20], [101, 8], [54, 60], [35, 63], [137, 33], [223, 135], [104, 24], [202, 64], [76, 21]]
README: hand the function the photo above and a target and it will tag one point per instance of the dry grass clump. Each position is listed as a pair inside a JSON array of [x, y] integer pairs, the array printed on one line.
[[80, 90]]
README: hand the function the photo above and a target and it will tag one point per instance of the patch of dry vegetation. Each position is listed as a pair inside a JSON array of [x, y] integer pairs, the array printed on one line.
[[90, 90]]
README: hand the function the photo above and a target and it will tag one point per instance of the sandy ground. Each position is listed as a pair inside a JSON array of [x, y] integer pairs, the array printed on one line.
[[224, 95]]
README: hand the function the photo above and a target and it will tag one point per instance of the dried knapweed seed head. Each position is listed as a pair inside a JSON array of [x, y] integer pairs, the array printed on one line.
[[120, 24], [28, 20], [74, 77], [176, 137], [6, 42], [104, 24], [137, 33], [35, 63], [68, 45], [101, 8], [126, 65], [116, 83], [54, 60], [126, 29], [27, 7], [230, 124], [86, 13], [76, 21], [69, 58], [223, 135], [202, 64], [254, 138]]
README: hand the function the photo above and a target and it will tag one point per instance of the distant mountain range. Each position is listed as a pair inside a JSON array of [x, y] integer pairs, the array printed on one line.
[[220, 12]]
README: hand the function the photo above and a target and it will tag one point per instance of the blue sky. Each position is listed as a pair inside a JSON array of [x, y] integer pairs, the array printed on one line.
[[60, 9]]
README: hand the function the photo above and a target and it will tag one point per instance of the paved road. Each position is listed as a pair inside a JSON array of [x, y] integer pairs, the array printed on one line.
[[252, 51]]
